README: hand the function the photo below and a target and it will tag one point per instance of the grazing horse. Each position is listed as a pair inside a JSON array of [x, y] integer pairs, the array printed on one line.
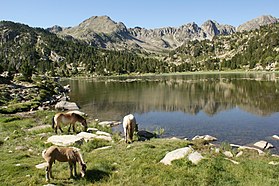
[[129, 126], [63, 154], [68, 118]]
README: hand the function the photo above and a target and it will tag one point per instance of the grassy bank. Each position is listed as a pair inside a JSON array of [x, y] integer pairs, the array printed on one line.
[[122, 164]]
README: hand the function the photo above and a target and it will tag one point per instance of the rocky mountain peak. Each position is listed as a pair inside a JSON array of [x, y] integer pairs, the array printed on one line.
[[257, 23], [55, 29], [102, 24]]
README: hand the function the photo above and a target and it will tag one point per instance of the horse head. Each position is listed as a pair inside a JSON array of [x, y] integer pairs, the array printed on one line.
[[84, 123], [83, 170]]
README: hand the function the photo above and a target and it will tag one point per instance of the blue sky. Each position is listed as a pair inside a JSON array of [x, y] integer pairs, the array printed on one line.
[[143, 13]]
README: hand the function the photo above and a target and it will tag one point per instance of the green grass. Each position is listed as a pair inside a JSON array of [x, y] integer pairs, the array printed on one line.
[[122, 164]]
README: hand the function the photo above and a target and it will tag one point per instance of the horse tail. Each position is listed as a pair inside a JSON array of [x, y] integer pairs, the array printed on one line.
[[53, 122], [43, 153]]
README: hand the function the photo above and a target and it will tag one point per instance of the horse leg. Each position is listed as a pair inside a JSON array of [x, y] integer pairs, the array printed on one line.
[[50, 170], [71, 169], [75, 169], [125, 133], [74, 127], [60, 129], [47, 173], [69, 129]]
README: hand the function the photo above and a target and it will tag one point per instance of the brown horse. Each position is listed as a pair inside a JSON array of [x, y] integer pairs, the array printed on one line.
[[71, 155], [68, 118]]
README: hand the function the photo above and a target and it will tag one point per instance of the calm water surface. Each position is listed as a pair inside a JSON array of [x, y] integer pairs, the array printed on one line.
[[238, 108]]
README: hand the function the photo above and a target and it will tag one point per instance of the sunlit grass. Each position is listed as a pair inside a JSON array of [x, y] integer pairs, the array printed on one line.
[[123, 164]]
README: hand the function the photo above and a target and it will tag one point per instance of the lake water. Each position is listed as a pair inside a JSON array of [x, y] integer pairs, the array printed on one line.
[[238, 108]]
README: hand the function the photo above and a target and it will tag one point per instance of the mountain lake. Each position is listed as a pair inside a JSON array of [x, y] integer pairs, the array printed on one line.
[[239, 108]]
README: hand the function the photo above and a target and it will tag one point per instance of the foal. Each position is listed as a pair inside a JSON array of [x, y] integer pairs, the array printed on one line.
[[63, 154], [68, 118], [129, 126]]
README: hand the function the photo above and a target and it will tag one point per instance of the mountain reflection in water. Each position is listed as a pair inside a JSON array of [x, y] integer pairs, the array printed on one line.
[[245, 105]]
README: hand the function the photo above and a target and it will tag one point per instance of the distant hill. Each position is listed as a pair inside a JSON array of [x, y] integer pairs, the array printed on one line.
[[102, 31]]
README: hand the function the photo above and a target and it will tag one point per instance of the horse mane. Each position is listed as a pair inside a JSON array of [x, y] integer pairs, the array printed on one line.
[[78, 155], [79, 117]]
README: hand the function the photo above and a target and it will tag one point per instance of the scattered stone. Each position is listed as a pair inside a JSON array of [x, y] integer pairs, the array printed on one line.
[[66, 105], [174, 138], [234, 162], [28, 176], [109, 123], [20, 148], [49, 184], [217, 150], [205, 137], [275, 155], [103, 133], [176, 154], [249, 148], [228, 154], [41, 165], [18, 164], [107, 138], [7, 138], [90, 130], [239, 154], [275, 137], [273, 163], [103, 148], [263, 145], [65, 140], [38, 128], [195, 157], [86, 136]]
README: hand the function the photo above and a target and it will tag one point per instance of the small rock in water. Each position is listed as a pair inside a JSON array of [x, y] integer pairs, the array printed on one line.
[[275, 137]]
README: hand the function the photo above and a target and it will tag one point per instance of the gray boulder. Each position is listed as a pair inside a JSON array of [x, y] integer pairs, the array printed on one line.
[[263, 144], [175, 155], [65, 140], [195, 157], [66, 105]]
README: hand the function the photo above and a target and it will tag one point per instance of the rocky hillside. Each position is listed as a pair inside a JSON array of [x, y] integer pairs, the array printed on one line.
[[103, 32], [254, 50]]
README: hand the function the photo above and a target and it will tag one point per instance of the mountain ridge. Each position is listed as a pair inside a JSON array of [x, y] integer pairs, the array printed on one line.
[[102, 31]]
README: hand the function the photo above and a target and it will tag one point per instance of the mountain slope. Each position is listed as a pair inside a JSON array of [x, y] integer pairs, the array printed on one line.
[[257, 23]]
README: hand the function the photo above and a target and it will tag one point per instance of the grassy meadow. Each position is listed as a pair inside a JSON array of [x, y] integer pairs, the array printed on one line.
[[122, 164]]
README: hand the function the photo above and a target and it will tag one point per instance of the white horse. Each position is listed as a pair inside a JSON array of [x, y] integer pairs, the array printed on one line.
[[129, 126], [63, 154]]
